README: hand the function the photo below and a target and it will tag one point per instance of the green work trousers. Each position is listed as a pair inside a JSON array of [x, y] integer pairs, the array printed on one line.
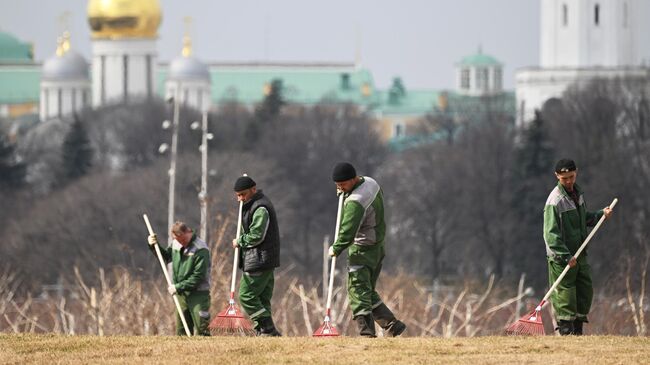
[[195, 307], [572, 298], [364, 266], [255, 293]]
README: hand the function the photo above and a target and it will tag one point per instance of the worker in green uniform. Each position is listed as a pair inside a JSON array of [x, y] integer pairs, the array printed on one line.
[[260, 254], [190, 258], [565, 228], [362, 230]]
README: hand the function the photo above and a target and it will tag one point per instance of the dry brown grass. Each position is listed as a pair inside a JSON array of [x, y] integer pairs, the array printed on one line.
[[116, 303], [43, 349]]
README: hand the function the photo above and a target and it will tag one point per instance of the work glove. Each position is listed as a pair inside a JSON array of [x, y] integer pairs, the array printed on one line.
[[153, 240], [331, 252], [171, 289]]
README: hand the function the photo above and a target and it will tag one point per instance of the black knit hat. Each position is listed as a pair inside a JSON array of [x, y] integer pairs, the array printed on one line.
[[243, 183], [343, 171], [565, 165]]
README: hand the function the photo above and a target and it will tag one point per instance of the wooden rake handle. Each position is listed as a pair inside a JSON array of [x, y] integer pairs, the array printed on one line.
[[169, 281], [333, 266], [582, 247]]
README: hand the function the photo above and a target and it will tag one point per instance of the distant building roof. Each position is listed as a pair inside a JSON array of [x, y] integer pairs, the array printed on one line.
[[303, 83], [68, 66], [188, 68], [479, 59], [13, 50]]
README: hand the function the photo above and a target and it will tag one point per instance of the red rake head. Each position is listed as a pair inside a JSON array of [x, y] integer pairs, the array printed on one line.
[[528, 325], [230, 321], [327, 329]]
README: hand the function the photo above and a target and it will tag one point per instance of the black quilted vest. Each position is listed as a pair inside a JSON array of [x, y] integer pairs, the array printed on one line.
[[266, 255]]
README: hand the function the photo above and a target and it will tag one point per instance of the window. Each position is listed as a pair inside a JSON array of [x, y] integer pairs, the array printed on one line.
[[565, 15], [398, 129], [498, 79], [597, 14], [125, 69], [625, 15], [464, 79], [482, 78]]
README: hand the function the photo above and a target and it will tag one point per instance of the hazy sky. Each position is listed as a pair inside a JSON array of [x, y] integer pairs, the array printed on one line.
[[418, 40]]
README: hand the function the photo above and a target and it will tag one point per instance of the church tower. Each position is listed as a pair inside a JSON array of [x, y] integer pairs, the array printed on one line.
[[65, 86], [124, 57], [581, 40], [189, 78], [588, 33]]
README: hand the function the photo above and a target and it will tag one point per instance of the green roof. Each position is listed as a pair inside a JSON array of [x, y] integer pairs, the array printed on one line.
[[20, 83], [479, 59], [13, 50], [302, 84], [413, 102]]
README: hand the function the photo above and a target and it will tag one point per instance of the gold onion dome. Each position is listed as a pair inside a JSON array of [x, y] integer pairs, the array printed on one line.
[[124, 18]]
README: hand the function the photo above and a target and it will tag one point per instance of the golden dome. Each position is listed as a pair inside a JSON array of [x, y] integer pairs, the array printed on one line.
[[124, 18]]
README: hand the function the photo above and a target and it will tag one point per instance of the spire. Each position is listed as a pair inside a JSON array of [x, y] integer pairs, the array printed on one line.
[[357, 48], [63, 42], [187, 41], [59, 46]]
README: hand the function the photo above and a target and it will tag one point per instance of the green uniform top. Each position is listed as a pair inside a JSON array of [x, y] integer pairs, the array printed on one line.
[[190, 265], [362, 222], [257, 230], [565, 224]]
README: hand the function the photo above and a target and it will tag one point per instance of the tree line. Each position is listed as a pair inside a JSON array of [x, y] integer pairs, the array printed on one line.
[[467, 206]]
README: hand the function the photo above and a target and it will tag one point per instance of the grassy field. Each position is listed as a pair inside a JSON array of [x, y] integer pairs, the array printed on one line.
[[46, 349]]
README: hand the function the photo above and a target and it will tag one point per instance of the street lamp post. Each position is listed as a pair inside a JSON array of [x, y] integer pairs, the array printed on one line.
[[203, 194], [172, 164]]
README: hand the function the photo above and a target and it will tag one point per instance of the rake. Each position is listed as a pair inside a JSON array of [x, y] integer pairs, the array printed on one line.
[[327, 329], [169, 281], [531, 324], [231, 321]]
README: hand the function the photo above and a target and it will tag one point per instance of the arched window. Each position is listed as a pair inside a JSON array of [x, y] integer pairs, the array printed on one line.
[[464, 79], [597, 14], [565, 15]]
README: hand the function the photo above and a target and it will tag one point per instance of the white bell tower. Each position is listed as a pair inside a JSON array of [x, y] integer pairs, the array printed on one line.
[[588, 33], [581, 40]]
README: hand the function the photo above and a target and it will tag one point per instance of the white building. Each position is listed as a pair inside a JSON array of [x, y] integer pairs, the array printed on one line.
[[65, 85], [581, 40], [479, 74], [189, 79], [124, 55]]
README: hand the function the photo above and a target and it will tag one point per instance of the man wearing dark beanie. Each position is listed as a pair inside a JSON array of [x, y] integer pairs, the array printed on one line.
[[362, 230], [260, 254], [565, 228]]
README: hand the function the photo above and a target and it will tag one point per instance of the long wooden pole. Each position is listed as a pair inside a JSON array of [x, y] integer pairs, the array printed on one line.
[[169, 281]]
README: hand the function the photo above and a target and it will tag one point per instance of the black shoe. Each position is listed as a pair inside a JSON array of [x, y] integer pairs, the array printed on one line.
[[266, 328], [395, 329], [577, 327], [565, 327], [366, 325]]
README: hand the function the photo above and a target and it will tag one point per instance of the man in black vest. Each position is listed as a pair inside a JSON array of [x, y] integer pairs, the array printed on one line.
[[260, 254]]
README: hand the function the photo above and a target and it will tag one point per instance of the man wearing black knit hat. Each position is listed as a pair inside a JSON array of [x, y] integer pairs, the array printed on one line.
[[565, 228], [362, 231], [260, 254]]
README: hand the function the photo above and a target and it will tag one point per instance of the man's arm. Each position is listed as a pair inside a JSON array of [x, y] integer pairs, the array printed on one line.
[[352, 216], [166, 252], [553, 233], [593, 217], [199, 272], [257, 230]]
